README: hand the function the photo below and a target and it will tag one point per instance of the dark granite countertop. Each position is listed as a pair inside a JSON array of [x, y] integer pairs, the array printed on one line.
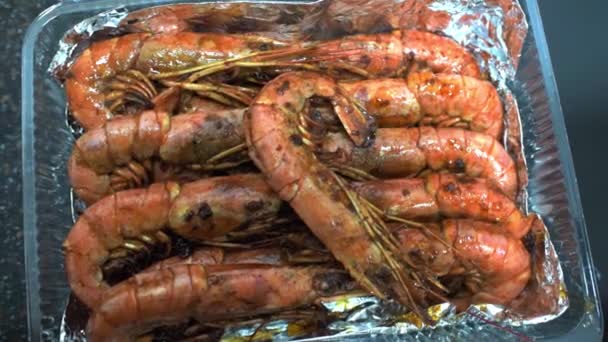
[[15, 16], [575, 34]]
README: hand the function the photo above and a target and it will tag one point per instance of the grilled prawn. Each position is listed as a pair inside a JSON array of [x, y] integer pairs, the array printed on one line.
[[116, 71], [400, 152], [115, 157], [130, 220], [113, 73], [495, 268], [210, 208], [330, 209]]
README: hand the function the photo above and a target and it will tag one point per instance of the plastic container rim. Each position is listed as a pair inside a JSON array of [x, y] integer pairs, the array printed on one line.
[[29, 163]]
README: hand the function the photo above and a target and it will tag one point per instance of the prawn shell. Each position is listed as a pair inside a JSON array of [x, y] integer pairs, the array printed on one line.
[[446, 195], [471, 100], [207, 293], [200, 210], [196, 137], [501, 261], [403, 152], [389, 100], [310, 188], [210, 209], [105, 226]]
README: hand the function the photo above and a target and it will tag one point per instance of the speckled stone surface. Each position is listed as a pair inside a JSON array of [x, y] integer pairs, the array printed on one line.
[[15, 16]]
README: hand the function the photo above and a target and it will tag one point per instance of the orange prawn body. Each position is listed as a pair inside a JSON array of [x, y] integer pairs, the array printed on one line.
[[122, 65], [195, 137], [259, 280], [447, 98], [177, 289], [207, 293], [431, 99], [213, 207], [179, 140], [90, 77], [401, 152], [276, 146], [196, 211], [391, 54], [502, 263], [445, 195]]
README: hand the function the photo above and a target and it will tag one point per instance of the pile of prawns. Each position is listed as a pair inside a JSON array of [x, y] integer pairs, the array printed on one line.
[[230, 176]]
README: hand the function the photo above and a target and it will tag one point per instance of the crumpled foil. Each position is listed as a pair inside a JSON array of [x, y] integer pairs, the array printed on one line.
[[494, 30], [101, 26]]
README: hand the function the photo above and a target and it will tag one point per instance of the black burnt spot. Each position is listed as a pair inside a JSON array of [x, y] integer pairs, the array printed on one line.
[[381, 277], [253, 206], [223, 127], [204, 211], [290, 107], [181, 247], [365, 60], [405, 192], [188, 216], [451, 187], [283, 88], [316, 115], [336, 196], [329, 283], [421, 66], [416, 255], [264, 47], [459, 165], [296, 140]]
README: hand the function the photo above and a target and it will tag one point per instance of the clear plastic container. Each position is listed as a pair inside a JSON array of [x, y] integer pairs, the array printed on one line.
[[47, 143]]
